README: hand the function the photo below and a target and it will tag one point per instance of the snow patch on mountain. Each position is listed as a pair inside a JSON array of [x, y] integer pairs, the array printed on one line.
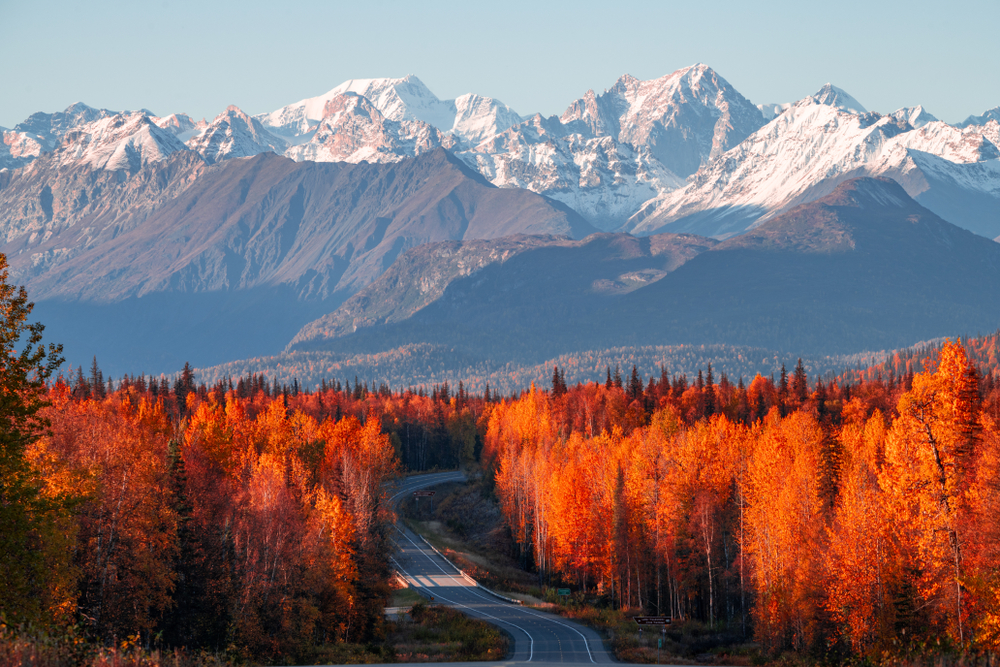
[[125, 141], [802, 154], [18, 149], [916, 116], [181, 125], [354, 130], [471, 118], [234, 134], [773, 110]]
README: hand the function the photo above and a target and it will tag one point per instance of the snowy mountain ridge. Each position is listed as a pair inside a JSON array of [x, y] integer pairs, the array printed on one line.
[[470, 117], [804, 152], [609, 152], [234, 134], [682, 152], [353, 130]]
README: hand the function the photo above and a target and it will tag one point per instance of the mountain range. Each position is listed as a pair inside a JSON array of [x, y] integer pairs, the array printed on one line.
[[125, 221], [862, 268]]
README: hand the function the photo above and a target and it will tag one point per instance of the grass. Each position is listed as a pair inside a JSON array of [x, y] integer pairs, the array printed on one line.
[[441, 634], [405, 597], [29, 646]]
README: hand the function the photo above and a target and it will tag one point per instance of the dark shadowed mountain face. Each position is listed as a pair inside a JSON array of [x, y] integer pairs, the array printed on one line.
[[506, 278], [865, 267], [97, 247]]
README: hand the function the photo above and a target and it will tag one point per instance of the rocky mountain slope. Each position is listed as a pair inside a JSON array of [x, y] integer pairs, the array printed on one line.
[[600, 265], [469, 118], [325, 228], [685, 150], [865, 267], [264, 233], [811, 147], [607, 153]]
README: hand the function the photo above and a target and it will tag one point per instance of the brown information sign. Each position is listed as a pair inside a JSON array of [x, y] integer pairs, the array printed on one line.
[[423, 494]]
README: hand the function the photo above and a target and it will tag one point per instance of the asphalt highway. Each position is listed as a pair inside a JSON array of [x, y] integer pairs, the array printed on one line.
[[538, 637]]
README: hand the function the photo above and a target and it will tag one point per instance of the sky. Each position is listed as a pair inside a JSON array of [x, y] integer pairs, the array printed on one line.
[[198, 57]]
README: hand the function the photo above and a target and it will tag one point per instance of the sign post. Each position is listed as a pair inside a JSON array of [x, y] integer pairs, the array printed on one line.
[[423, 493], [661, 621]]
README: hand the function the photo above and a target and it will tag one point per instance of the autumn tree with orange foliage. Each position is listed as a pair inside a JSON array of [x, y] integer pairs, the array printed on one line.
[[859, 516], [854, 516]]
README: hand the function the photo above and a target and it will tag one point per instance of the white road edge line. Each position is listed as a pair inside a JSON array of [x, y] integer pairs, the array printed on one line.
[[531, 640], [586, 642]]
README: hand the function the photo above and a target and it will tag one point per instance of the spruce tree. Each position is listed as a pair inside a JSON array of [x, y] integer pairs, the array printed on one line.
[[709, 392], [635, 384], [558, 384], [800, 383], [96, 379], [28, 518]]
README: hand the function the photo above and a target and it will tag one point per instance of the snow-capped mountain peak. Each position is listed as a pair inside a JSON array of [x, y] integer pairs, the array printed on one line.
[[987, 116], [48, 128], [234, 134], [181, 125], [354, 130], [803, 153], [916, 116], [478, 118], [124, 141], [471, 118], [832, 96]]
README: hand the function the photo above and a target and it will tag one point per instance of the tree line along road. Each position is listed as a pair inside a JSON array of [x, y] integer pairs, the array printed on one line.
[[538, 637]]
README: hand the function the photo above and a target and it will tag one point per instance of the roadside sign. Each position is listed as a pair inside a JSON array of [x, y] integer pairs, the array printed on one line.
[[423, 494], [652, 620], [562, 591]]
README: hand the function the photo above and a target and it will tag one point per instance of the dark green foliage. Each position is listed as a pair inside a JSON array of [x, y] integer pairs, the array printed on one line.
[[27, 517], [800, 383]]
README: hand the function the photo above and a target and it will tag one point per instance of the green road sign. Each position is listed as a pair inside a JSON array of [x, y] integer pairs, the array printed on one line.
[[562, 591]]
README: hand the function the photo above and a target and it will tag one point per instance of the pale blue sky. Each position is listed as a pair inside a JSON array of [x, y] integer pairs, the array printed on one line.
[[200, 56]]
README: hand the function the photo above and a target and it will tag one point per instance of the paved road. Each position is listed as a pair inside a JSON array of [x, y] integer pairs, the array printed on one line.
[[538, 637]]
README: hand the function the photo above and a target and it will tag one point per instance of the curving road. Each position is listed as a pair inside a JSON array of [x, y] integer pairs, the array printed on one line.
[[538, 637]]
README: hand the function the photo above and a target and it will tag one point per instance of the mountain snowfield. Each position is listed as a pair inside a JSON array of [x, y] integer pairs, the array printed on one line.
[[354, 130], [685, 152], [471, 118], [234, 134], [804, 152]]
